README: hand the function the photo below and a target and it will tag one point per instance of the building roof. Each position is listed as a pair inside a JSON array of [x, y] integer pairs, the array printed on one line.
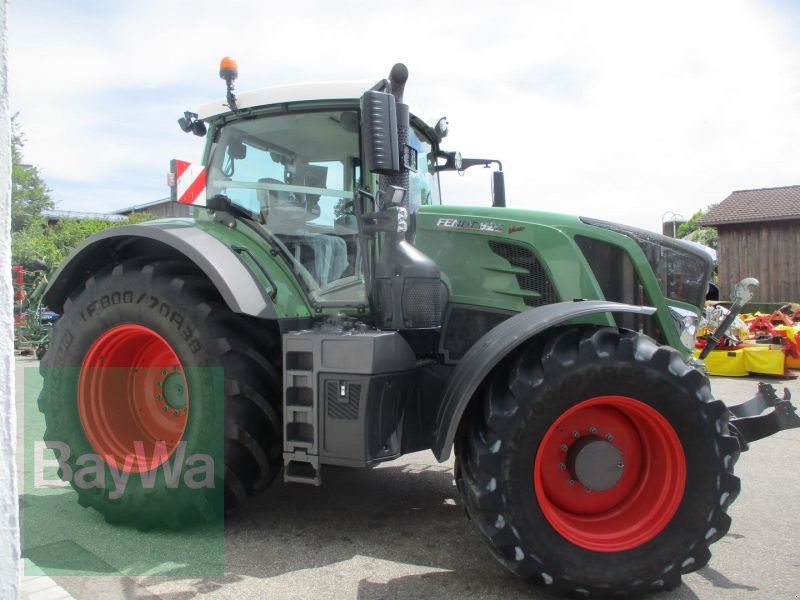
[[748, 206], [142, 207]]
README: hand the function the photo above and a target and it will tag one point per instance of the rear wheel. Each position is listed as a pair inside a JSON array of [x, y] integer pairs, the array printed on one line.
[[149, 372], [598, 463]]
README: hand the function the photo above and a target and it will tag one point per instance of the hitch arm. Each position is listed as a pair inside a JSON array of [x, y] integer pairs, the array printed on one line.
[[750, 423]]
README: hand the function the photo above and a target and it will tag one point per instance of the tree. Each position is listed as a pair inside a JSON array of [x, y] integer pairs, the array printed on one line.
[[29, 192], [694, 232], [31, 237], [52, 243]]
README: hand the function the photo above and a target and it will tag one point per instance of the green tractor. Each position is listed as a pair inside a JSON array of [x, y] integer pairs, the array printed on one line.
[[356, 318]]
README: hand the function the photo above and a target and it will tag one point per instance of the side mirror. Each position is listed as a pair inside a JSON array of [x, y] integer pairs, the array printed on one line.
[[379, 137], [441, 129], [498, 189]]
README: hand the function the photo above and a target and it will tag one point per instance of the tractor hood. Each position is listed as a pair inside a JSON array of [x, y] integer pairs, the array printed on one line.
[[515, 259]]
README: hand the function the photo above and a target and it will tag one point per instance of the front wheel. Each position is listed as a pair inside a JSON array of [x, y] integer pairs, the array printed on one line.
[[598, 463]]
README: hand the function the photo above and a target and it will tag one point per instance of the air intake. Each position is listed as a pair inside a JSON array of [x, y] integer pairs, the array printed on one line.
[[536, 278]]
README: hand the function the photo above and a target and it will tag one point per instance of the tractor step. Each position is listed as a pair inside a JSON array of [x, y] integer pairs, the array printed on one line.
[[301, 468], [300, 414], [750, 422]]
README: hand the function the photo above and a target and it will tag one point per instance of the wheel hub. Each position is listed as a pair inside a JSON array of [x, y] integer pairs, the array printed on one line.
[[595, 463], [175, 390]]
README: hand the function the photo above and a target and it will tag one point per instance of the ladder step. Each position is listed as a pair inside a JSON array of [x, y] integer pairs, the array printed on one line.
[[300, 467], [301, 436]]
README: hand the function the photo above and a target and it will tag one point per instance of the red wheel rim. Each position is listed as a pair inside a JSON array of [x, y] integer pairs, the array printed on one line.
[[133, 398], [640, 504]]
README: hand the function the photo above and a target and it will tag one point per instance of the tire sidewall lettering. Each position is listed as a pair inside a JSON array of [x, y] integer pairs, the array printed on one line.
[[182, 324]]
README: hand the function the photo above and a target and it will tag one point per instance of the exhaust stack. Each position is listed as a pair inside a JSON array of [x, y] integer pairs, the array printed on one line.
[[407, 292]]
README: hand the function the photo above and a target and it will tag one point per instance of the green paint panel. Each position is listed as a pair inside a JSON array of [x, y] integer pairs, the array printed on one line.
[[458, 239], [290, 300], [476, 274]]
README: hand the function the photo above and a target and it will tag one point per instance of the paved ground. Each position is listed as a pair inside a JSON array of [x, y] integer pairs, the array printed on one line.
[[398, 531]]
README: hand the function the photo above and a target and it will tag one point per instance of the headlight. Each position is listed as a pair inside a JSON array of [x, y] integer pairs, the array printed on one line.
[[686, 322]]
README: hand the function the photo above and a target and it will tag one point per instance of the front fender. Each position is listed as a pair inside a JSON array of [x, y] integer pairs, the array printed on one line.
[[238, 286], [496, 344]]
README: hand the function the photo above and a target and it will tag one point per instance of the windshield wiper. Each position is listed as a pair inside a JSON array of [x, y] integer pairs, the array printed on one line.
[[220, 202]]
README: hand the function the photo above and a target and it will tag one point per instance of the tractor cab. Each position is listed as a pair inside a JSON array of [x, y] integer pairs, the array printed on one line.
[[295, 168]]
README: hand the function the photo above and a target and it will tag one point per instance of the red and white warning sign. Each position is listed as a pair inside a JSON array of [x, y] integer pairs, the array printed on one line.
[[187, 183]]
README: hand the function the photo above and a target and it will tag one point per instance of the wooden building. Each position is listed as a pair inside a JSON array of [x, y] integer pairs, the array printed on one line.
[[759, 236]]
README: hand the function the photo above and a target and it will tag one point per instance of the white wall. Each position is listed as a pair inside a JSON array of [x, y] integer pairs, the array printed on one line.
[[9, 516]]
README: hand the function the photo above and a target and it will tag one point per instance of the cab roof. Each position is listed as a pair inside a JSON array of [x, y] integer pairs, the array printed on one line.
[[303, 92]]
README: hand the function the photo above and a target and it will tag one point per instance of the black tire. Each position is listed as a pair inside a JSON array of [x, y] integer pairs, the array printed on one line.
[[527, 395], [171, 302], [41, 351]]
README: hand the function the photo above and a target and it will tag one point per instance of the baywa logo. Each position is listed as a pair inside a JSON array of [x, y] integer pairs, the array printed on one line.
[[90, 469]]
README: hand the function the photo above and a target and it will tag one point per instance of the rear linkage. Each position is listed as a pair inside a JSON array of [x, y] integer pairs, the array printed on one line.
[[750, 424]]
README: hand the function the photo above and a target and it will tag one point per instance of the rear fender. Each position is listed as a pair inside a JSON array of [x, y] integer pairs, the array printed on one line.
[[238, 286], [498, 343]]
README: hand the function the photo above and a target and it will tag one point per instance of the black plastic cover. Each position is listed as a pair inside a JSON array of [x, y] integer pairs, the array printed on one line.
[[345, 393], [409, 292], [379, 132]]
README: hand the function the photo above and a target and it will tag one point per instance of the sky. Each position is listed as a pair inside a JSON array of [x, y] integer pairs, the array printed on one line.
[[628, 111]]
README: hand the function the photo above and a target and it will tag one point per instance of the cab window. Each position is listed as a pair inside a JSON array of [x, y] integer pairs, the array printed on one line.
[[423, 185], [298, 172]]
